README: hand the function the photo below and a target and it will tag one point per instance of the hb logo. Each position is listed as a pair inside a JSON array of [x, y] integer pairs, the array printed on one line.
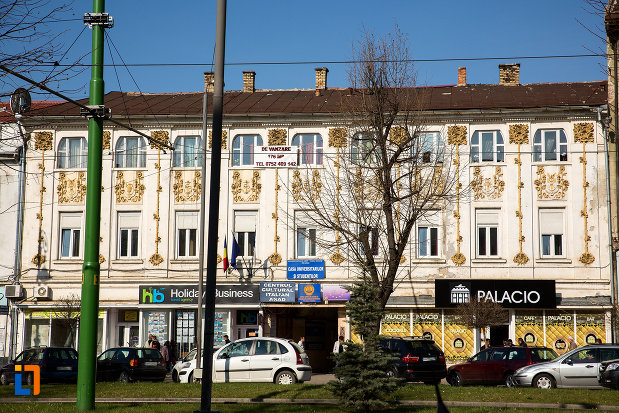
[[153, 295], [36, 373]]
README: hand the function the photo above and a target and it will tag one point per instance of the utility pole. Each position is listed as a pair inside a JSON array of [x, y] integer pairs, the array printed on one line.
[[87, 363], [213, 216]]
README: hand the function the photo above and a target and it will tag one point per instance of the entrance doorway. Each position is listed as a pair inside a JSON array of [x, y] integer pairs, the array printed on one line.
[[128, 335], [498, 334]]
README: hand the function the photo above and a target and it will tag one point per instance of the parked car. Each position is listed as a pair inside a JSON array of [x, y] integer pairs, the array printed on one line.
[[609, 374], [497, 365], [183, 369], [127, 364], [58, 364], [576, 368], [416, 359]]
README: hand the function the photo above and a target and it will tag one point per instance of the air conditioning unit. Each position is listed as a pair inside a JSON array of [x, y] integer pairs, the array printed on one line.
[[14, 291], [42, 292]]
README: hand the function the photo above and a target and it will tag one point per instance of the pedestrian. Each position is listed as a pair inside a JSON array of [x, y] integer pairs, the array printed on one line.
[[521, 342], [149, 342], [156, 344], [598, 341], [226, 339], [487, 345], [571, 345], [165, 353], [510, 343], [338, 347], [172, 355], [301, 343], [505, 342]]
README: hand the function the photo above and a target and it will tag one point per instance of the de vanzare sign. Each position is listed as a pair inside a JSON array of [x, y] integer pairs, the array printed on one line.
[[508, 293]]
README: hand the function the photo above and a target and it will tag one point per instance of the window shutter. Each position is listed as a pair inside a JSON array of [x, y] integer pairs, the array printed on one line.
[[71, 220], [551, 222], [128, 220], [244, 221], [487, 218], [187, 220]]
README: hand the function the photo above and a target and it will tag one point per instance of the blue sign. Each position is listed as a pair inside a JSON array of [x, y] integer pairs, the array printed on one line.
[[274, 292], [309, 293], [306, 269]]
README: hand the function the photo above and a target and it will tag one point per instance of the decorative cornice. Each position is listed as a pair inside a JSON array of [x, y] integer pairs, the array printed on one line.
[[583, 132], [338, 138], [43, 141], [277, 137]]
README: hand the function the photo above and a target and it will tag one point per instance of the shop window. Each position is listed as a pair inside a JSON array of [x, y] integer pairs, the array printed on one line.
[[245, 232], [243, 147], [185, 331], [70, 234], [128, 234], [428, 148], [36, 333], [551, 224], [487, 225], [157, 324], [187, 152], [64, 332], [186, 234], [310, 148], [487, 146], [549, 145], [131, 152], [72, 153]]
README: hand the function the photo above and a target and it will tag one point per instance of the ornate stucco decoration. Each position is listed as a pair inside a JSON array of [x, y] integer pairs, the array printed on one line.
[[156, 258], [187, 190], [224, 139], [308, 188], [129, 186], [159, 139], [276, 258], [583, 132], [277, 137], [398, 135], [488, 188], [43, 141], [107, 138], [101, 257], [71, 187], [246, 186], [456, 135], [337, 138], [551, 185], [519, 134]]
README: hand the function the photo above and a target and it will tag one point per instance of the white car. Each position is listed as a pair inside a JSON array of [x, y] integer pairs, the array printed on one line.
[[256, 359]]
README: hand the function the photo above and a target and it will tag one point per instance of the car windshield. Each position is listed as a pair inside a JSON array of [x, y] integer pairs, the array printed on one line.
[[543, 354], [191, 355], [149, 354]]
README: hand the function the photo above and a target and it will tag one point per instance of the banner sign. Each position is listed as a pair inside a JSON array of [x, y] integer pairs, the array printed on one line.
[[309, 293], [188, 294], [335, 292], [276, 292], [306, 269], [275, 157], [508, 293]]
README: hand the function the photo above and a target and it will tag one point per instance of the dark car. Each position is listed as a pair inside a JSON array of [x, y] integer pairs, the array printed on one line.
[[127, 364], [609, 374], [497, 365], [416, 359], [57, 364]]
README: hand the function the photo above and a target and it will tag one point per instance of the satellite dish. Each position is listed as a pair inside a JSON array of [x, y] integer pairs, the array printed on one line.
[[20, 101]]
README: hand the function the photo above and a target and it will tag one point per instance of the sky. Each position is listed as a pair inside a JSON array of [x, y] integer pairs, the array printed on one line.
[[319, 32]]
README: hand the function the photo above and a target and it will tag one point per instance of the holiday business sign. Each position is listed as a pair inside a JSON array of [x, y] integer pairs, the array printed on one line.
[[188, 294], [508, 293]]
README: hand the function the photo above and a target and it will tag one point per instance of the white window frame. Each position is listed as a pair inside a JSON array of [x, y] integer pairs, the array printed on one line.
[[477, 143], [185, 154], [246, 224], [428, 147], [122, 156], [374, 240], [306, 246], [70, 225], [433, 231], [187, 221], [363, 150], [487, 220], [66, 159], [310, 153], [128, 222], [560, 151], [551, 226], [243, 148]]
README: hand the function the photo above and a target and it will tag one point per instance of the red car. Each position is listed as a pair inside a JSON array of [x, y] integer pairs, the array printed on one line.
[[497, 365]]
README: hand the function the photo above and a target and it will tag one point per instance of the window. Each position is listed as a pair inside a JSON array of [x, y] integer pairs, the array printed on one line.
[[128, 234], [310, 146], [585, 356], [427, 241], [186, 234], [372, 238], [487, 146], [481, 356], [70, 230], [72, 153], [131, 152], [487, 233], [245, 232], [243, 147], [363, 149], [188, 152], [306, 242], [551, 232], [549, 145], [429, 147]]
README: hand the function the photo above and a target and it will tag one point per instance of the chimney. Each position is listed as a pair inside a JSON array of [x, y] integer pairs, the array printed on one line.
[[462, 76], [321, 79], [249, 82], [209, 81], [509, 74]]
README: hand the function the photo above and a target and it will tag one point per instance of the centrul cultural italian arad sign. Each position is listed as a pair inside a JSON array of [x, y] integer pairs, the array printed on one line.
[[508, 293]]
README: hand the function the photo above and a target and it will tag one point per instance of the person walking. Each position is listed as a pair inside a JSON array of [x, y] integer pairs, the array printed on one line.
[[521, 342], [165, 353], [301, 343], [172, 354], [571, 345], [149, 342], [156, 344], [226, 339], [487, 345]]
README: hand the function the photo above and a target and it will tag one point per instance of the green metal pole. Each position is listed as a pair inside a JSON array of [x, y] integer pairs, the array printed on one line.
[[87, 349]]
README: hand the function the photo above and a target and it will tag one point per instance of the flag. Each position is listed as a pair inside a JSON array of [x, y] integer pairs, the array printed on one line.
[[235, 252], [225, 254]]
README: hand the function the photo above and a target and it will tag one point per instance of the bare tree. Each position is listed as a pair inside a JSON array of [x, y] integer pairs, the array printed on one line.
[[388, 172], [68, 312], [482, 314]]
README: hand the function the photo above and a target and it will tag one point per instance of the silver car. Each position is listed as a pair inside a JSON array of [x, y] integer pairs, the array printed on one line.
[[576, 368]]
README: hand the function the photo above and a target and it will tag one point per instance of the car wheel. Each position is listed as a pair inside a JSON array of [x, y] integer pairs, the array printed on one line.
[[190, 378], [175, 378], [509, 380], [124, 377], [455, 379], [4, 378], [544, 381], [285, 377]]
